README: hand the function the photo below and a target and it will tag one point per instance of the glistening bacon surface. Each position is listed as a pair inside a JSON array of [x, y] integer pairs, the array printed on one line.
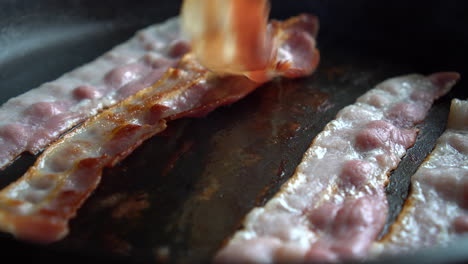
[[334, 206], [38, 206], [436, 211], [33, 120]]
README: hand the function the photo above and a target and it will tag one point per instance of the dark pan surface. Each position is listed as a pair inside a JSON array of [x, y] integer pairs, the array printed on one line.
[[182, 193]]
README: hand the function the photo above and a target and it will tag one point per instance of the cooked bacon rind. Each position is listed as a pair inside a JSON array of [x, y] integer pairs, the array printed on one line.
[[334, 206], [436, 211], [38, 206]]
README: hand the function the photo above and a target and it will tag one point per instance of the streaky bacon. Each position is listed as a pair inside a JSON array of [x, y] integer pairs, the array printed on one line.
[[38, 206], [334, 205], [436, 211], [31, 121]]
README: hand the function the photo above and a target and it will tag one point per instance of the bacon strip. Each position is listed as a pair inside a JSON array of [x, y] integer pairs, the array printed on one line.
[[37, 207], [33, 120], [224, 38], [227, 41], [334, 206], [436, 211]]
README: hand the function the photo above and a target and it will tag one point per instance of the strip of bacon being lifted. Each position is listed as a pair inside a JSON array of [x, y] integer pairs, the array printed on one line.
[[334, 206], [436, 211], [38, 206], [229, 36], [233, 37]]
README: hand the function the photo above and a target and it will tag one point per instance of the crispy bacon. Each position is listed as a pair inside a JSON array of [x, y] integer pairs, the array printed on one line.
[[37, 207], [436, 211], [334, 206], [33, 120]]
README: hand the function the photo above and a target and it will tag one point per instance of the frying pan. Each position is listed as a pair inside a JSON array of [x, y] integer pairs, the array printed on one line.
[[190, 187]]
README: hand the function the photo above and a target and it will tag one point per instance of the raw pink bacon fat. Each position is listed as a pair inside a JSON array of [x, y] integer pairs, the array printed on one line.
[[334, 206], [33, 120], [436, 211]]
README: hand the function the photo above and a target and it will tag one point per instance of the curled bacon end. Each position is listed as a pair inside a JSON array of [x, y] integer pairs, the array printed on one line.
[[295, 53]]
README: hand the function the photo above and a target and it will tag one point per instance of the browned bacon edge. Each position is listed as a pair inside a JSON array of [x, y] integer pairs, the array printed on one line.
[[38, 206]]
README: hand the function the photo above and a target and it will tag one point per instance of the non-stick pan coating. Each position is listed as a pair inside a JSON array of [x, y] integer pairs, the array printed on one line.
[[189, 188]]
